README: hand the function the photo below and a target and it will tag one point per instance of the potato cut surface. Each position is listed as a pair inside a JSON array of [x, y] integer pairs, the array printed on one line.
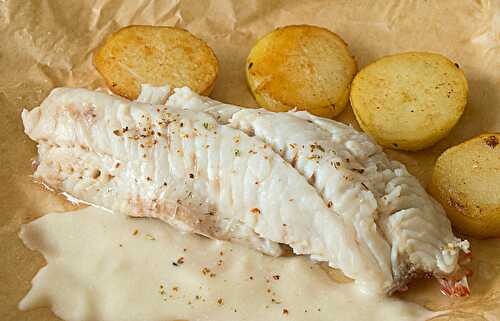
[[466, 180], [303, 67], [157, 56], [409, 101]]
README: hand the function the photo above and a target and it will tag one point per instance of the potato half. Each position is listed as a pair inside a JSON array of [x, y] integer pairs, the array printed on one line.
[[409, 101], [157, 56], [466, 180], [303, 67]]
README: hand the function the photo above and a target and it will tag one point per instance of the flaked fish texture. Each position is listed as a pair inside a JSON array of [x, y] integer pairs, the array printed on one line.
[[247, 175]]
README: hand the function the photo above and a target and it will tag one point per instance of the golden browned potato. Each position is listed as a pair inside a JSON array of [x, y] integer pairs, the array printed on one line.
[[157, 56], [409, 101], [303, 67], [466, 180]]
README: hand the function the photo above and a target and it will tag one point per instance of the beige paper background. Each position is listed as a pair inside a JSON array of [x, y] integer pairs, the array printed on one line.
[[45, 44]]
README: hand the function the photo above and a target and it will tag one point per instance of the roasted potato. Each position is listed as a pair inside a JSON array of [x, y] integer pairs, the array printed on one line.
[[466, 180], [303, 67], [157, 56], [409, 101]]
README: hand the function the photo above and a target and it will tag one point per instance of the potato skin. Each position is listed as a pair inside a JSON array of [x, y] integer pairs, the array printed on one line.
[[409, 101], [466, 181], [137, 55], [304, 67]]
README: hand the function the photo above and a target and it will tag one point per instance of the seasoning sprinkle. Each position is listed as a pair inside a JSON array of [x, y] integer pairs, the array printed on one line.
[[255, 211], [491, 141], [316, 146], [313, 157]]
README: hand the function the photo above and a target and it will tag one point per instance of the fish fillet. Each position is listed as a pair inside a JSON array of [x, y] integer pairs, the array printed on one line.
[[250, 176], [404, 229]]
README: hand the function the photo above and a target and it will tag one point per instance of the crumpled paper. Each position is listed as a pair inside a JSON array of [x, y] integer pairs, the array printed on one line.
[[49, 43]]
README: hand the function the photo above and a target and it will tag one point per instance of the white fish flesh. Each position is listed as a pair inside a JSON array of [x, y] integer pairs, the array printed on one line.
[[246, 175]]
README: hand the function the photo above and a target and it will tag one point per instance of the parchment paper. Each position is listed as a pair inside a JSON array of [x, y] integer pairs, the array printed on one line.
[[45, 44]]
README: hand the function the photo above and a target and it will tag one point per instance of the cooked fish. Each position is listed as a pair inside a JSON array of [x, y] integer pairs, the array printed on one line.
[[245, 175], [404, 229]]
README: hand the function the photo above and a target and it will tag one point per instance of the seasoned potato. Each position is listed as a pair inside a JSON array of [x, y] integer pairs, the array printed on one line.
[[409, 101], [466, 180], [157, 56], [303, 67]]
